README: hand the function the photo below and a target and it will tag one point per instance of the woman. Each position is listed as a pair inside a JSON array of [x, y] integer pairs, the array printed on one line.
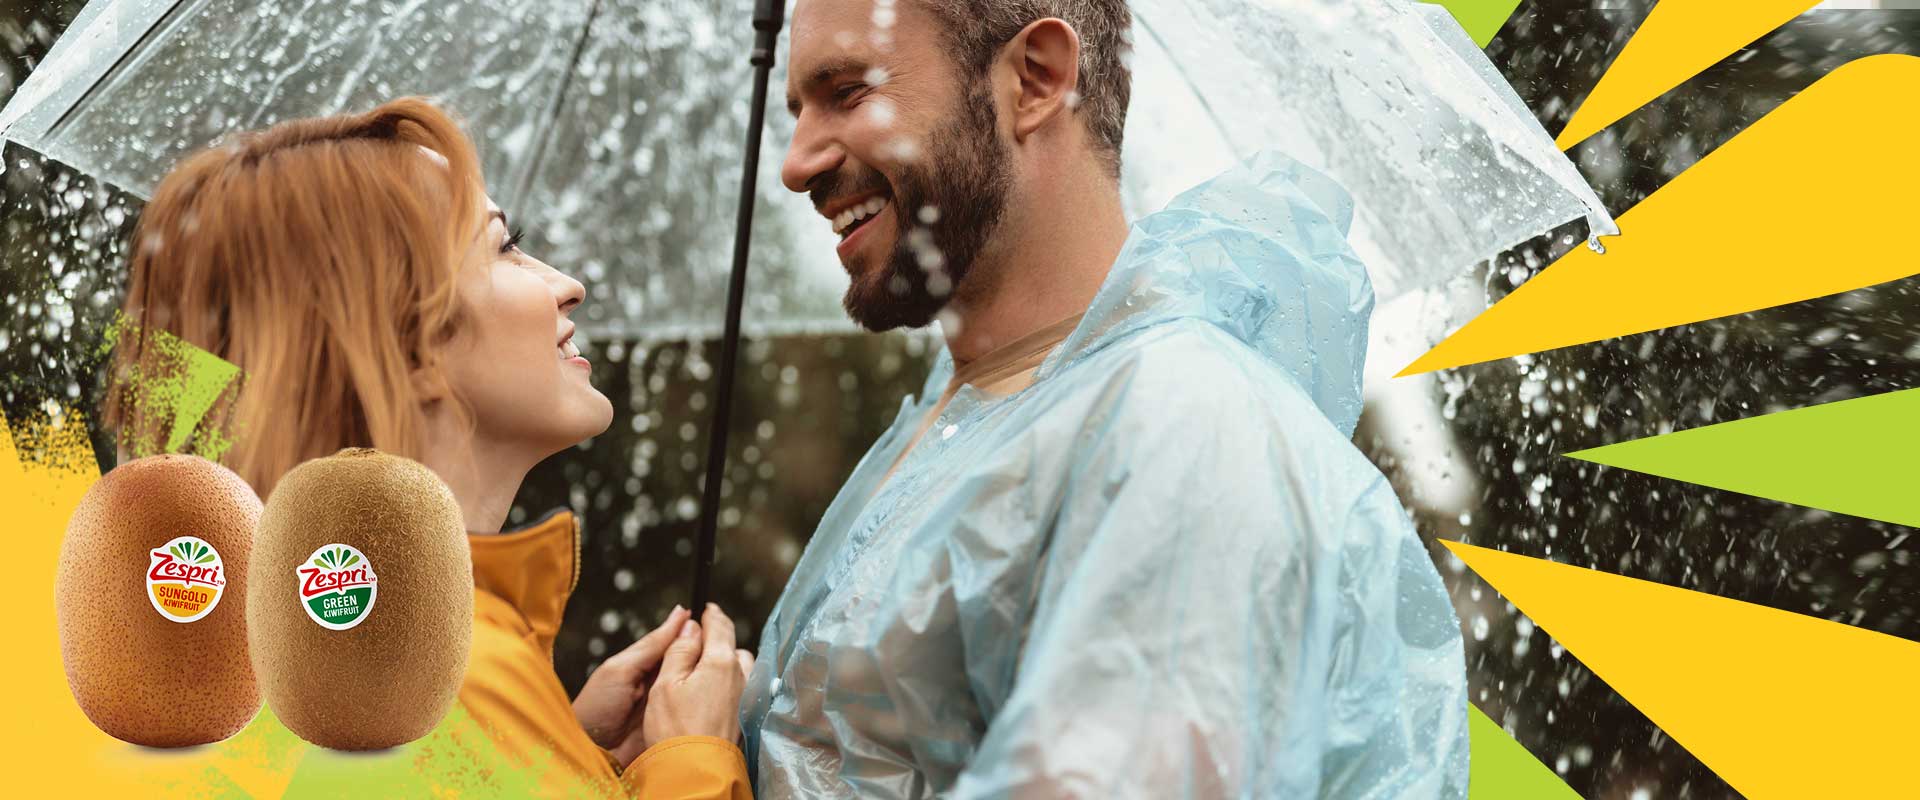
[[355, 270]]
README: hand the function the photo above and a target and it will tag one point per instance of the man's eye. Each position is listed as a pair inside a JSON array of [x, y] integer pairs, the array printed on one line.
[[847, 91]]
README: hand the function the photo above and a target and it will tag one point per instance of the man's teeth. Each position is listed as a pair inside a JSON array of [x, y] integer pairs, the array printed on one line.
[[568, 349], [847, 218]]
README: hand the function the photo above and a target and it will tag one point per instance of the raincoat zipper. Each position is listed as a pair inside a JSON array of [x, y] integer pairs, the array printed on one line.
[[574, 522]]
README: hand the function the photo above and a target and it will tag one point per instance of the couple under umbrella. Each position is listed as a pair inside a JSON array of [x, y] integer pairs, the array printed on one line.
[[1120, 545]]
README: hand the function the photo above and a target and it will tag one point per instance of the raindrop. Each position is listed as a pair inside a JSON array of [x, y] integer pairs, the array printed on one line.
[[902, 148], [1870, 562]]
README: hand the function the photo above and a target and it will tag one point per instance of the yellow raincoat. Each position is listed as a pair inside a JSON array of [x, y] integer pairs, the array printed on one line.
[[521, 583]]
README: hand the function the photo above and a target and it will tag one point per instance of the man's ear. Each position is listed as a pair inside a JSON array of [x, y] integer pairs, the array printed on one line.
[[1045, 57]]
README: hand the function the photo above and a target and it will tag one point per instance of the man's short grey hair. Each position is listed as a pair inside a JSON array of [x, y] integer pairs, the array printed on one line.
[[977, 29]]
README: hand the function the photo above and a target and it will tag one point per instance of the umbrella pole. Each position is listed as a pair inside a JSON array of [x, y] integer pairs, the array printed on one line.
[[768, 16]]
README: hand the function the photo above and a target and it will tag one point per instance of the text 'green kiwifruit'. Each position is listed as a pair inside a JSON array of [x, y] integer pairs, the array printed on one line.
[[360, 611]]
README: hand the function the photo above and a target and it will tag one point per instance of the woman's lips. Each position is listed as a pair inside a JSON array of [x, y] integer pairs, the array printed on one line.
[[570, 353]]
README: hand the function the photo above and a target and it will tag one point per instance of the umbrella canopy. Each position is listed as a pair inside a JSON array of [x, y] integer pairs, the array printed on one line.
[[1446, 165], [611, 127]]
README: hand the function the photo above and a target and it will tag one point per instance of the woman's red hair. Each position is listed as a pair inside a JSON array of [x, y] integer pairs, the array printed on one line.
[[319, 256]]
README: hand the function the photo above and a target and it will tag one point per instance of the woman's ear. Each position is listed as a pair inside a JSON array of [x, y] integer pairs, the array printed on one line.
[[429, 383], [1045, 57]]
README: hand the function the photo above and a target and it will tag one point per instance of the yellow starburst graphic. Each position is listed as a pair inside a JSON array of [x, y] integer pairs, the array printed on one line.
[[1835, 219]]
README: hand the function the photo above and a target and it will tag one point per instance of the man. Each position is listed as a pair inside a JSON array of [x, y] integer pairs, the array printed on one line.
[[1122, 545]]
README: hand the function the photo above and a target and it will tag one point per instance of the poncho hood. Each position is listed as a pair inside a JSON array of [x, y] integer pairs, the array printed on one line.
[[1260, 252]]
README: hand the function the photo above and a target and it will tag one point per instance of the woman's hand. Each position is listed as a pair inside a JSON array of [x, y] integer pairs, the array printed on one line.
[[697, 692], [614, 700]]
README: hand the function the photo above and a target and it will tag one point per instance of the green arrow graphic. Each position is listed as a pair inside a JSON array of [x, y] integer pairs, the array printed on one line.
[[1854, 457], [1481, 18]]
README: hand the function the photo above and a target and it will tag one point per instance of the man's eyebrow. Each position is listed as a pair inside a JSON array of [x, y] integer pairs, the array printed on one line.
[[820, 75]]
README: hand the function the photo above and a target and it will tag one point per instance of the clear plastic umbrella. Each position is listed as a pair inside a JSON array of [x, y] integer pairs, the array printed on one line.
[[1446, 165], [611, 127]]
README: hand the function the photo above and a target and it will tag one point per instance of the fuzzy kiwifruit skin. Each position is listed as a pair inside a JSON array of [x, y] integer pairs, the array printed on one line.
[[388, 680], [142, 678]]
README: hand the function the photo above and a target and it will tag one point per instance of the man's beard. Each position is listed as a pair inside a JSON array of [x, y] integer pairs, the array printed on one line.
[[964, 182]]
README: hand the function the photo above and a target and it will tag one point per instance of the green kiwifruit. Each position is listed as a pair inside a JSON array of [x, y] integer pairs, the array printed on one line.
[[360, 610]]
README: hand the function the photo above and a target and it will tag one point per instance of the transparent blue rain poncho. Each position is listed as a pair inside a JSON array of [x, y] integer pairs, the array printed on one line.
[[1160, 571]]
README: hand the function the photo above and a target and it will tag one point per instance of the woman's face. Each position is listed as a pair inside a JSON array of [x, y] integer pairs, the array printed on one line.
[[514, 362]]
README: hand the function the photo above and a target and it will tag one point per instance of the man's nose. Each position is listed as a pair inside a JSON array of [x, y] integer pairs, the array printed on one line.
[[811, 155]]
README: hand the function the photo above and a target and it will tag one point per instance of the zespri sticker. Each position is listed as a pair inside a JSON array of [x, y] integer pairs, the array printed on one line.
[[337, 586], [185, 579]]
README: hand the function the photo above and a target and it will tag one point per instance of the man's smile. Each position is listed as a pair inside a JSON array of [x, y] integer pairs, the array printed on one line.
[[852, 218], [858, 214]]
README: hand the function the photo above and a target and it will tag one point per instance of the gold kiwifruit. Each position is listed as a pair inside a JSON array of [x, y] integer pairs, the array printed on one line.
[[150, 599], [361, 604]]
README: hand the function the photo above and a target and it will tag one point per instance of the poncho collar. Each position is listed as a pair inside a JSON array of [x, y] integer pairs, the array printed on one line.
[[1259, 252]]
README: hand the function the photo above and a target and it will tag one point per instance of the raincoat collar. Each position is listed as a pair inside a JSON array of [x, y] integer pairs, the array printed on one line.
[[1012, 358], [533, 568], [1259, 252]]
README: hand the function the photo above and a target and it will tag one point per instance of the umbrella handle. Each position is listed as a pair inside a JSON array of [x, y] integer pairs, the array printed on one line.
[[768, 16]]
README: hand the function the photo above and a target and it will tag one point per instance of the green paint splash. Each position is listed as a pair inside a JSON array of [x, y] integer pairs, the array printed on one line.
[[175, 381], [456, 759]]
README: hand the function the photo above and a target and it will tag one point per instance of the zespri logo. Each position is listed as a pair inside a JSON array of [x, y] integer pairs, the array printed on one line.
[[337, 586], [185, 579]]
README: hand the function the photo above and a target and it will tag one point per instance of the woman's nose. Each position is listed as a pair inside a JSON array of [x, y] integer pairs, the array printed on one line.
[[570, 292]]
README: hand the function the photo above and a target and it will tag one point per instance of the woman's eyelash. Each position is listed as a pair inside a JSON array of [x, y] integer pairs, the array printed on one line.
[[513, 241]]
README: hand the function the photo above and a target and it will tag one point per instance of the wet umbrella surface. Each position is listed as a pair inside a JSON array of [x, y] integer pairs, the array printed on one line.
[[611, 127]]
